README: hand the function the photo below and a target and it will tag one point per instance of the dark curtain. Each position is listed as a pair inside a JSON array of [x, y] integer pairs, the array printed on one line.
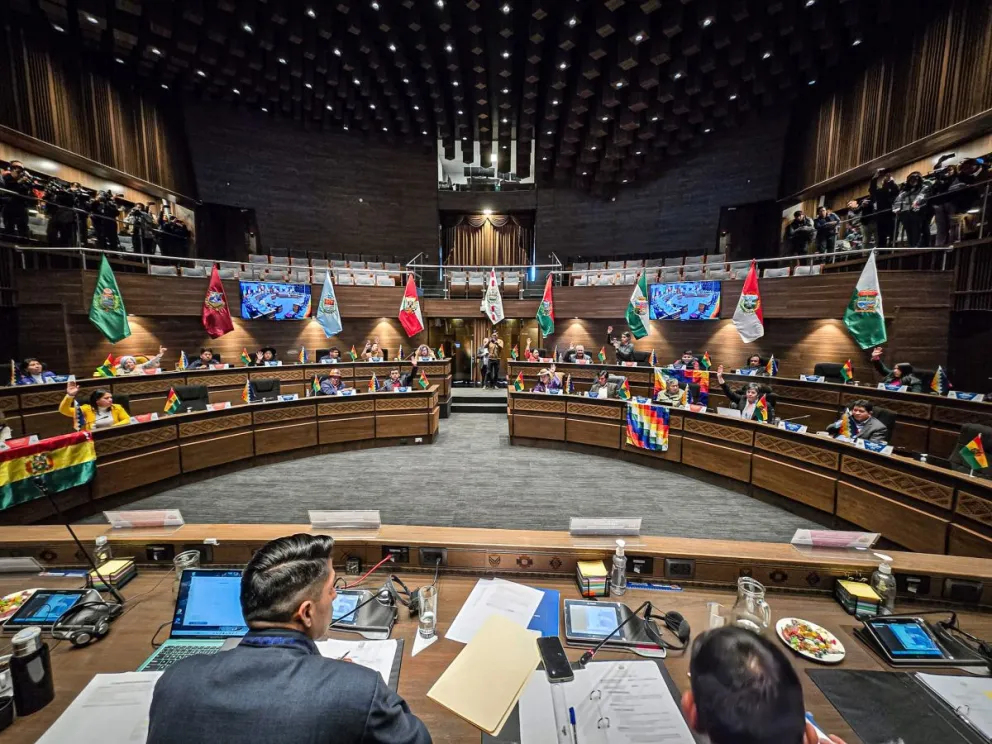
[[487, 240]]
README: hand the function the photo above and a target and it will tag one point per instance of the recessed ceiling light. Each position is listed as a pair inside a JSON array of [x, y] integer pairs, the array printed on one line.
[[406, 81], [677, 76], [707, 130], [506, 147], [91, 19], [416, 108], [201, 73], [654, 118], [265, 109], [372, 106], [329, 107], [593, 147], [856, 42], [345, 127], [385, 129], [440, 3], [337, 52], [554, 102], [585, 173], [375, 5], [448, 48], [638, 152], [605, 118], [58, 28], [460, 112], [563, 66], [155, 50], [423, 131], [506, 54], [545, 157], [708, 21], [454, 83], [247, 27], [639, 38], [118, 60], [235, 91], [504, 120], [282, 60], [356, 81], [392, 47], [625, 180], [506, 8], [766, 55], [810, 3], [311, 12], [550, 132], [308, 86], [164, 86], [505, 91], [733, 96], [812, 82], [619, 83], [572, 21]]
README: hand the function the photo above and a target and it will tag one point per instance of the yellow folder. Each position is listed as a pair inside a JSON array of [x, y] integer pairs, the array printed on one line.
[[484, 681]]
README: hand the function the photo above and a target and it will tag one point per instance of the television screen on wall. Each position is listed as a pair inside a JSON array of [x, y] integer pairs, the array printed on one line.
[[270, 301], [685, 301]]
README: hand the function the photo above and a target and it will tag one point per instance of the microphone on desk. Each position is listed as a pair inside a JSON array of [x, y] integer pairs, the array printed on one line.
[[795, 418]]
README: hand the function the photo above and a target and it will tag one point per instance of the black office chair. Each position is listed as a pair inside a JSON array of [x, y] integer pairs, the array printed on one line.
[[217, 359], [321, 353], [967, 433], [124, 401], [543, 353], [642, 357], [266, 388], [888, 418], [693, 388], [830, 371], [925, 376], [192, 397]]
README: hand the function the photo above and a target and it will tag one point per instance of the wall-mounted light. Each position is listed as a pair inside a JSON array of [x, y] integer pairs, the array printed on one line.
[[487, 212]]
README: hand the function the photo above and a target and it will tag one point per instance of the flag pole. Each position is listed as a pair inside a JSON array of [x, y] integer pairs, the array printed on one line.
[[971, 472]]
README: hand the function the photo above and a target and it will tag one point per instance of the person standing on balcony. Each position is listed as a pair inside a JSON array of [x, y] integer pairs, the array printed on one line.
[[826, 230]]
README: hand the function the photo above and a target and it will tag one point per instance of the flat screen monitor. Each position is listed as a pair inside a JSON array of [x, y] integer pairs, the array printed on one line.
[[685, 301], [208, 605], [274, 301]]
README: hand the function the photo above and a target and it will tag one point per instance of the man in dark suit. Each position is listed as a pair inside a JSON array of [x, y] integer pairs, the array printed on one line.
[[275, 686], [204, 361], [863, 424]]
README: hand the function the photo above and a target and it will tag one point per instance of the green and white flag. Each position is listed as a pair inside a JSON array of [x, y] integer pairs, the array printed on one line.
[[864, 317], [637, 308], [107, 307]]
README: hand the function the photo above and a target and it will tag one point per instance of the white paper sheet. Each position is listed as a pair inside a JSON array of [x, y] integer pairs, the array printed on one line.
[[515, 602], [376, 655], [621, 702], [969, 697], [111, 709]]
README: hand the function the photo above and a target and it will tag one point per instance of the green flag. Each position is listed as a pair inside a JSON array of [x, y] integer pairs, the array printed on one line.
[[546, 311], [637, 308], [864, 317], [107, 307]]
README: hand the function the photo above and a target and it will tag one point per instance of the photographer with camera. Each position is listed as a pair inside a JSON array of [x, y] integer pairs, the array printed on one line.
[[914, 215], [59, 204], [142, 224], [883, 196], [80, 202], [19, 187]]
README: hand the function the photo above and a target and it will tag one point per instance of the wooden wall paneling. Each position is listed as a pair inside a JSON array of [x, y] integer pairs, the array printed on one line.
[[912, 528], [345, 420], [393, 425], [672, 454], [210, 451], [967, 542], [45, 336], [538, 427], [726, 461], [895, 476], [596, 433], [124, 474], [797, 483], [285, 437]]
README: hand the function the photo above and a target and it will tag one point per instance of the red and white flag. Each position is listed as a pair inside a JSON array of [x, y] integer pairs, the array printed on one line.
[[749, 318], [410, 316], [216, 315], [492, 301]]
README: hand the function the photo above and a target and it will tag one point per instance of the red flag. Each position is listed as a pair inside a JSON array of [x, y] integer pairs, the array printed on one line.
[[749, 318], [216, 315], [410, 317]]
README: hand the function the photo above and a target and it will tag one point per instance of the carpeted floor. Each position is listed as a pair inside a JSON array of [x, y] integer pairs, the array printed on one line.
[[472, 477]]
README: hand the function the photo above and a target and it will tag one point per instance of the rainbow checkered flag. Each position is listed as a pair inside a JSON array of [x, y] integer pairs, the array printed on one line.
[[245, 359], [13, 373], [183, 362], [315, 386], [647, 426], [373, 383], [845, 429], [772, 367], [569, 387], [847, 371], [554, 355], [423, 381], [601, 356], [659, 382], [973, 454], [172, 402], [940, 384], [654, 358], [78, 421], [518, 383], [761, 408], [623, 392], [107, 368], [706, 362], [247, 395], [302, 358], [399, 354]]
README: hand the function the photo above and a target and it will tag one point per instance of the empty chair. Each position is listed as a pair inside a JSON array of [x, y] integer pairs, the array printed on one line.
[[205, 263], [735, 265], [692, 274], [652, 275], [228, 273], [655, 262], [597, 265], [816, 269], [298, 253], [299, 261], [274, 274], [279, 259], [694, 260], [300, 276], [634, 264], [319, 268], [888, 418], [716, 259], [740, 274], [256, 259], [394, 269], [279, 253], [614, 265], [192, 271], [674, 261], [364, 279], [192, 397], [720, 274], [384, 280], [671, 274], [775, 273], [374, 265], [458, 282], [580, 266], [630, 277], [476, 280], [266, 388], [605, 279], [338, 264], [162, 270], [356, 265], [124, 401], [829, 371], [511, 281], [344, 278]]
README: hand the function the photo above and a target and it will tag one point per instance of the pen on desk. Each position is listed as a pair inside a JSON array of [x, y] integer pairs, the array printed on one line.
[[571, 719], [342, 658]]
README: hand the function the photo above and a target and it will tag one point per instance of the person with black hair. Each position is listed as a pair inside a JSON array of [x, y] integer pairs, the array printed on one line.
[[826, 223], [395, 381], [624, 346], [743, 689], [263, 356], [901, 374], [100, 413], [686, 361], [913, 213], [755, 366], [275, 686], [883, 196], [19, 187], [333, 356], [746, 399], [863, 424], [602, 387], [204, 361], [33, 372], [799, 233]]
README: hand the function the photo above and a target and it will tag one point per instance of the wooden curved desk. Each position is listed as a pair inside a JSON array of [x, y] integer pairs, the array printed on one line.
[[917, 505], [136, 460], [924, 423], [33, 409]]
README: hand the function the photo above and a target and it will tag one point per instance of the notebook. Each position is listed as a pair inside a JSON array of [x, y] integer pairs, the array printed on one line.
[[485, 680]]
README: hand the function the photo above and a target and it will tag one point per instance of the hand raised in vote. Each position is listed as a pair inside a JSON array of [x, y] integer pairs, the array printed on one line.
[[719, 374], [161, 350], [258, 356], [571, 346], [876, 353], [71, 389], [609, 329]]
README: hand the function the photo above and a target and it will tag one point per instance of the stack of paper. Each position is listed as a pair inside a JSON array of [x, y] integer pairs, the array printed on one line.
[[515, 602], [591, 577], [857, 598], [117, 571], [485, 680]]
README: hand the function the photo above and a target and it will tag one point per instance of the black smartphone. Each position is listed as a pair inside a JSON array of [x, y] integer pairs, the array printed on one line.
[[556, 664]]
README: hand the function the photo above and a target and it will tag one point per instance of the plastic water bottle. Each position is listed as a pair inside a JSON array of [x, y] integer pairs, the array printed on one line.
[[102, 552], [884, 584], [618, 576]]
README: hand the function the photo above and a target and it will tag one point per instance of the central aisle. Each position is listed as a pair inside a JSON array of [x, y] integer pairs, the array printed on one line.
[[472, 477]]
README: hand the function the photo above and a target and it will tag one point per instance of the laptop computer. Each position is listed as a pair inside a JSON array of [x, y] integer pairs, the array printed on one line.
[[207, 614]]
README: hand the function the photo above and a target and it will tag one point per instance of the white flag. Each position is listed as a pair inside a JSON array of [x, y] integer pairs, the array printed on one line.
[[492, 301]]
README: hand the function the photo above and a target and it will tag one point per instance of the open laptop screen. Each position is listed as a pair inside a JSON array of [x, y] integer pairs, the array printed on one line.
[[209, 605]]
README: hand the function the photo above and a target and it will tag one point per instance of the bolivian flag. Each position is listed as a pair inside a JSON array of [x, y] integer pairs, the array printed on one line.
[[107, 368], [315, 386], [64, 462], [601, 356], [440, 351], [172, 402], [245, 358], [353, 353], [515, 352], [518, 383], [623, 392], [847, 371], [973, 454], [706, 362], [423, 381], [761, 408]]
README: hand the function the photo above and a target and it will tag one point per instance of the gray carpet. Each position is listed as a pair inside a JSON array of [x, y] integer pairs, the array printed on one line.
[[472, 477]]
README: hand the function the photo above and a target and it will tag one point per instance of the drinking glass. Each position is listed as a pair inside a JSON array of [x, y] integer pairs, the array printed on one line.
[[751, 611], [186, 559], [427, 625]]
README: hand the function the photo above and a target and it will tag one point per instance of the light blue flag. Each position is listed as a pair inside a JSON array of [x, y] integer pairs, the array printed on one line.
[[328, 312]]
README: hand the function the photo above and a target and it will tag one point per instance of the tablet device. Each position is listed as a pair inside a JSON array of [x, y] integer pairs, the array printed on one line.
[[592, 621], [343, 612], [905, 639], [45, 607]]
